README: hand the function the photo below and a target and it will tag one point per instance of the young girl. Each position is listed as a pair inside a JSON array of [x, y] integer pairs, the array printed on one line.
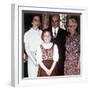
[[47, 56], [32, 40]]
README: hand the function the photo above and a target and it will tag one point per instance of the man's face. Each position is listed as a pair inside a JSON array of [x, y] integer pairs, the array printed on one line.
[[55, 21]]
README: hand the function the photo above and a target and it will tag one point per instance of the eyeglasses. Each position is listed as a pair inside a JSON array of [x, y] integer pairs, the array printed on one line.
[[70, 26]]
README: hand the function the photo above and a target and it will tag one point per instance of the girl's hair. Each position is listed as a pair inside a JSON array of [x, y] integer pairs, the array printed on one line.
[[44, 31]]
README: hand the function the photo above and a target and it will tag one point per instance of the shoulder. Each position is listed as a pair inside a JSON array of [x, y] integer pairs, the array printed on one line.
[[27, 33], [62, 31], [78, 37], [40, 31], [55, 48]]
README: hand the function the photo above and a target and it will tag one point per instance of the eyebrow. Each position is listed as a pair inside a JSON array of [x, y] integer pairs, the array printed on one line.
[[55, 20]]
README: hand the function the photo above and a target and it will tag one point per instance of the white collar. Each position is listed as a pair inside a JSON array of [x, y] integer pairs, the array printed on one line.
[[47, 46], [55, 29], [36, 29]]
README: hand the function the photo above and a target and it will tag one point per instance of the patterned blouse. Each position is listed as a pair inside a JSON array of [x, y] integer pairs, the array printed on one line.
[[47, 54], [72, 55]]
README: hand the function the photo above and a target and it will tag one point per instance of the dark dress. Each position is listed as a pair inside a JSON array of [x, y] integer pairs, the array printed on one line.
[[47, 57]]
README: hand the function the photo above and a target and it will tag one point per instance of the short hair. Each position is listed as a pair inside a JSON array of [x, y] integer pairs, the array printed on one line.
[[44, 31], [55, 16], [73, 18]]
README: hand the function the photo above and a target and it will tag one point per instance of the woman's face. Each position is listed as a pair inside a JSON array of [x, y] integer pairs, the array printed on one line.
[[47, 37], [72, 26], [36, 22]]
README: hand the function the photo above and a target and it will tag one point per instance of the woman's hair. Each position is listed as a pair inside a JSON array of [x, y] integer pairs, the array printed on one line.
[[37, 15], [44, 31], [74, 19]]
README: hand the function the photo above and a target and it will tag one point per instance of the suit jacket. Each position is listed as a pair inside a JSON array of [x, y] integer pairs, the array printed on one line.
[[60, 41]]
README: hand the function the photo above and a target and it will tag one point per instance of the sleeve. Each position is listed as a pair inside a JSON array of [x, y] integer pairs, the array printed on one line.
[[26, 44], [39, 55], [55, 53]]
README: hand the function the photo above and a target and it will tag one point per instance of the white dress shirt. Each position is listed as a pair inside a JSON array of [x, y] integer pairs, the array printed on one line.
[[55, 30], [32, 40]]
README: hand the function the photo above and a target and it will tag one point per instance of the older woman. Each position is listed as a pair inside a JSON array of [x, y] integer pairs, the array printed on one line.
[[72, 54]]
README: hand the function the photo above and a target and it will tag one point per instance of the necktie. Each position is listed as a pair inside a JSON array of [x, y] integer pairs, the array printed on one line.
[[55, 34]]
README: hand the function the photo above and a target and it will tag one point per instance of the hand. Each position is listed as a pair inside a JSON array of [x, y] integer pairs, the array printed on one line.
[[78, 67], [48, 72], [35, 63]]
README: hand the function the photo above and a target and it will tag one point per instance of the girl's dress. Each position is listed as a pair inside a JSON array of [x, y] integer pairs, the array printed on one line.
[[47, 56]]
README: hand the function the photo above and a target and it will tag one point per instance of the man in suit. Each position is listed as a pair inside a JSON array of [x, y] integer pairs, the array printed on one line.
[[59, 37]]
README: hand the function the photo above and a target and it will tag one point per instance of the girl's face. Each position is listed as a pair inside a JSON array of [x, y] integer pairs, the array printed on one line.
[[47, 37], [36, 22], [72, 26]]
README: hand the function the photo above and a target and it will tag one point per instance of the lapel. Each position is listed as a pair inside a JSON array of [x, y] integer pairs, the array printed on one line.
[[58, 33]]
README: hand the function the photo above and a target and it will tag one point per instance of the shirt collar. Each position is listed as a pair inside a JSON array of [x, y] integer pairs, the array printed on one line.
[[33, 30], [53, 29]]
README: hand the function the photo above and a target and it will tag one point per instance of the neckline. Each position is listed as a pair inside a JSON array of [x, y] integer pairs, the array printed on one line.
[[49, 46], [37, 30]]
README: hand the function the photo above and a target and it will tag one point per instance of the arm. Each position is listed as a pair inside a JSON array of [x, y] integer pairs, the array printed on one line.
[[78, 66], [39, 60], [25, 55], [44, 67], [53, 66], [27, 48], [55, 57], [77, 51]]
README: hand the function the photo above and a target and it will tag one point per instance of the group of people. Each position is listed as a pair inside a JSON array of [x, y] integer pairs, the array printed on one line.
[[53, 51]]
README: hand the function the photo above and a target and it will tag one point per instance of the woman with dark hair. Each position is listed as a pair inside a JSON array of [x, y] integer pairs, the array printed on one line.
[[47, 56], [32, 40], [72, 53]]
